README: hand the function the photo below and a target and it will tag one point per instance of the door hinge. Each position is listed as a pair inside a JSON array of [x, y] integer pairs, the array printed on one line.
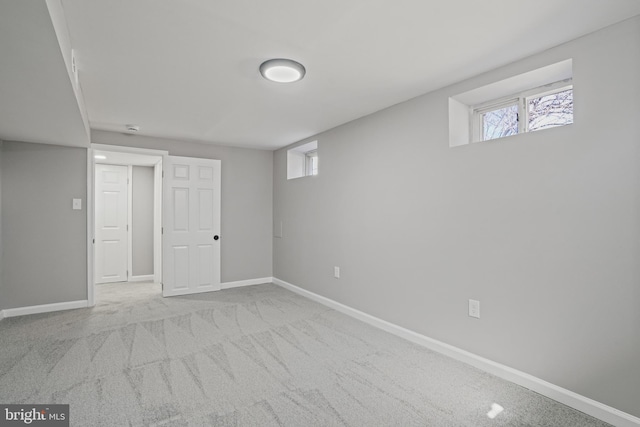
[[161, 230], [94, 241], [127, 227], [163, 174]]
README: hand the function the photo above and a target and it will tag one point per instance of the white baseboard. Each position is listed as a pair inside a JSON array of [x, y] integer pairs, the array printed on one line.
[[567, 397], [145, 278], [250, 282], [2, 316], [226, 285], [45, 308]]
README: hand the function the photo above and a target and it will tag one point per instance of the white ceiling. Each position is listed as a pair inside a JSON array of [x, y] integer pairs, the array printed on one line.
[[188, 69]]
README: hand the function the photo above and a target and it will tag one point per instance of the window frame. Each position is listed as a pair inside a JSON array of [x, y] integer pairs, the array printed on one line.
[[521, 99], [556, 87], [479, 112], [308, 166], [300, 160]]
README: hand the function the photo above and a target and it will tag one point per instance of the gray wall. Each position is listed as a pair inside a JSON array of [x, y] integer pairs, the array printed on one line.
[[2, 299], [44, 257], [142, 220], [542, 228], [246, 222]]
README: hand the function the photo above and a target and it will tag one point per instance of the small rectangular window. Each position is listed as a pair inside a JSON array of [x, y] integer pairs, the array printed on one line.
[[312, 162], [302, 160], [535, 100], [540, 108], [499, 122], [550, 110]]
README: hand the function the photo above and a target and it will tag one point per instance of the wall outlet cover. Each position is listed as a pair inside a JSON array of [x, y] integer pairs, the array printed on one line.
[[474, 308]]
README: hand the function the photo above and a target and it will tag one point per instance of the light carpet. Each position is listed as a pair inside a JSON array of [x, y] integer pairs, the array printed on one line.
[[252, 356]]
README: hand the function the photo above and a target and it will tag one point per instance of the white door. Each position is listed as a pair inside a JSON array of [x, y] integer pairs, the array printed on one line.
[[111, 224], [191, 217]]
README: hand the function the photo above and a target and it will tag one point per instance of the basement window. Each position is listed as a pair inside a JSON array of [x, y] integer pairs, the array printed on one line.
[[311, 162], [496, 121], [533, 101], [540, 108], [302, 160], [550, 109]]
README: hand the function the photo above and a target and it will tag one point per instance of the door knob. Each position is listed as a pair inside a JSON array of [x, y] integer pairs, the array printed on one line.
[[216, 237]]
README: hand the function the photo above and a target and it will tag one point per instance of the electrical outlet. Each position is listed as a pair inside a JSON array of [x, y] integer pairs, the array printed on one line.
[[336, 272], [474, 308]]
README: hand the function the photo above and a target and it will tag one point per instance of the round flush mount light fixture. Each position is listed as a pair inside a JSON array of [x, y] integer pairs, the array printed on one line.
[[132, 128], [282, 70]]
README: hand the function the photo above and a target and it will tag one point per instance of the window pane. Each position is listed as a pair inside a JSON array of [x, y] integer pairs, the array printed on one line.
[[551, 110], [312, 162], [500, 123]]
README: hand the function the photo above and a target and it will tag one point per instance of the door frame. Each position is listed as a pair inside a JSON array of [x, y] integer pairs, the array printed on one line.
[[127, 156]]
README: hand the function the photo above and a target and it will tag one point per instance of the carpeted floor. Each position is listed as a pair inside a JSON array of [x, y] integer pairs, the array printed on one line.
[[252, 356]]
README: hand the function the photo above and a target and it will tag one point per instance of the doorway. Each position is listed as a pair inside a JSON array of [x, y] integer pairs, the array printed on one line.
[[125, 216]]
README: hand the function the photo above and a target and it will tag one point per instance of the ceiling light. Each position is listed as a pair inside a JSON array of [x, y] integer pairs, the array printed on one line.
[[100, 157], [133, 128], [282, 70]]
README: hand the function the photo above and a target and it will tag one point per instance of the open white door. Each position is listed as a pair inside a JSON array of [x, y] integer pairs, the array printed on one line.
[[191, 218], [111, 223]]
